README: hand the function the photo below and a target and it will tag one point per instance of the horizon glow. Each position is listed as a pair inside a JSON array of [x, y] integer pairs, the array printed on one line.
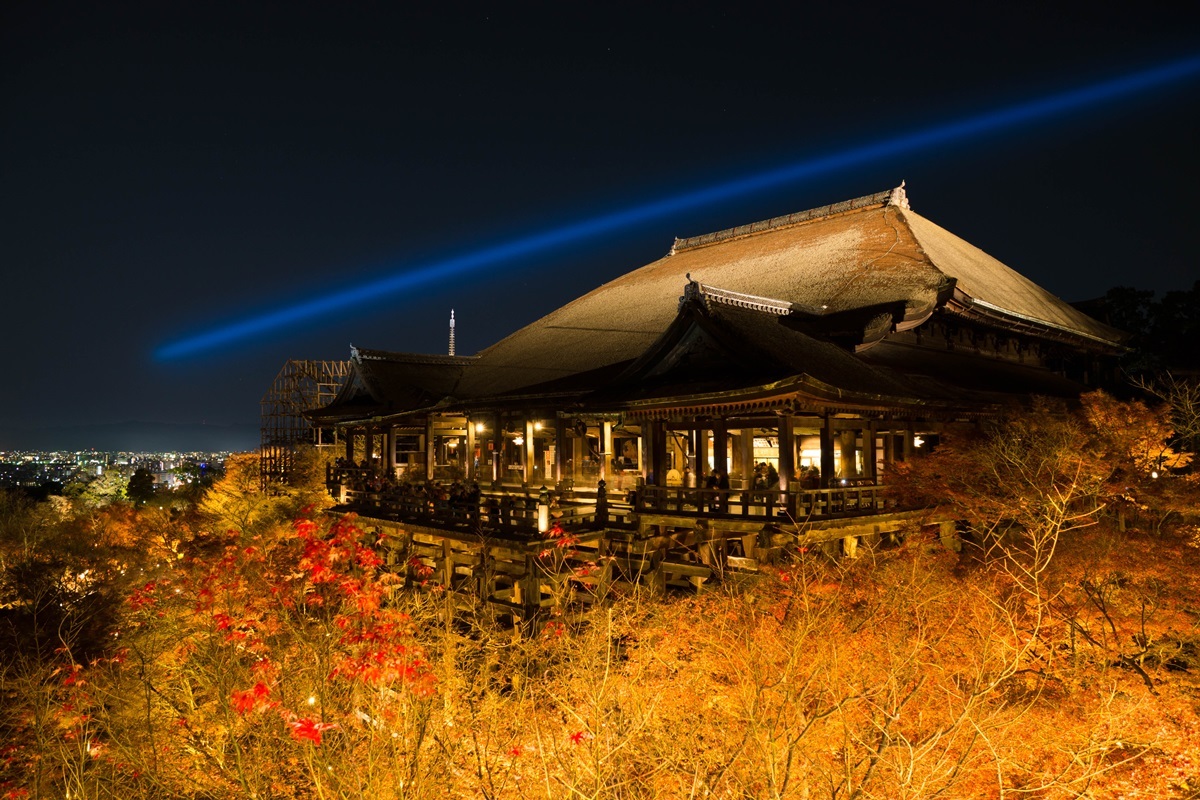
[[1027, 112]]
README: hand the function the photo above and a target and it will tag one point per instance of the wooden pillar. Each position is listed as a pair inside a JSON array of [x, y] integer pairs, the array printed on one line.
[[889, 454], [787, 452], [849, 446], [908, 441], [827, 462], [389, 450], [658, 454], [746, 454], [430, 449], [869, 456], [560, 450], [606, 452], [720, 447], [470, 454], [497, 448], [641, 452], [527, 453], [349, 433], [369, 447], [578, 456], [701, 452]]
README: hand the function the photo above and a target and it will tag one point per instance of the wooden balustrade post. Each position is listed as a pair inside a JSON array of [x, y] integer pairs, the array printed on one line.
[[601, 503], [506, 508]]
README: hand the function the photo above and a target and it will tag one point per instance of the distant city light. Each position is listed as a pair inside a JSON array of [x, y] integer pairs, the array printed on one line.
[[1055, 105]]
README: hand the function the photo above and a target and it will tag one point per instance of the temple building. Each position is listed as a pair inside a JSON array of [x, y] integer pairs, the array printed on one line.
[[754, 386]]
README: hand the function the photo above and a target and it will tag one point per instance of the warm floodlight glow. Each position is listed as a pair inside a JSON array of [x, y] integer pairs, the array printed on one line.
[[918, 441], [1055, 105], [479, 427]]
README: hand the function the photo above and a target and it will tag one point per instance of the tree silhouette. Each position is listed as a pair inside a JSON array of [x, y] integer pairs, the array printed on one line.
[[141, 486]]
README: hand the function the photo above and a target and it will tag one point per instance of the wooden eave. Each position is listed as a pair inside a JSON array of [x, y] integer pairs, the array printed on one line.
[[975, 310], [797, 394]]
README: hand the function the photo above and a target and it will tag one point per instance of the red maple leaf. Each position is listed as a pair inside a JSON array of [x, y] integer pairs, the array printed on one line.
[[307, 729], [253, 699]]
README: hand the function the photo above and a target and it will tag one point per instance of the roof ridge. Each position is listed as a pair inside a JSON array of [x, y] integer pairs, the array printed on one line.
[[360, 354], [888, 197]]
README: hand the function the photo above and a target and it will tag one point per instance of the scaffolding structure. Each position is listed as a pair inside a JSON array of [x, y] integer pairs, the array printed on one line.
[[300, 386]]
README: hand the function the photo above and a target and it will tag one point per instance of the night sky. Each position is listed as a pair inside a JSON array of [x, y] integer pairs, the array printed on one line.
[[173, 168]]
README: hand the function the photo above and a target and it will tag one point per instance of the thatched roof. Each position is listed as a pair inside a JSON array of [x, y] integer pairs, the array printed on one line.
[[865, 253]]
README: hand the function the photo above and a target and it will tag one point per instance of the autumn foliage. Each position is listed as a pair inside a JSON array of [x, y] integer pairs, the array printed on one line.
[[1049, 650]]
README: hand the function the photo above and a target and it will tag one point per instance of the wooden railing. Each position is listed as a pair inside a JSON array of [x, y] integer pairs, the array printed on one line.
[[515, 509], [505, 510], [790, 505]]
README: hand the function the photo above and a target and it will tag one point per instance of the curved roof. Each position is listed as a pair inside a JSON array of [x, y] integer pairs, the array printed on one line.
[[869, 252], [984, 281], [383, 383]]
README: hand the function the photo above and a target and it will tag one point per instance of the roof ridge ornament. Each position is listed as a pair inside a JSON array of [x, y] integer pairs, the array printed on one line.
[[354, 355], [899, 197], [692, 291], [702, 292]]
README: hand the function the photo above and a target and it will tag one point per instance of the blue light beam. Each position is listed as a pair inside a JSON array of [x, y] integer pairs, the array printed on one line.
[[1055, 105]]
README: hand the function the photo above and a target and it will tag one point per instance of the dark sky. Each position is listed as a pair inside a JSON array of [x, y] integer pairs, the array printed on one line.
[[170, 168]]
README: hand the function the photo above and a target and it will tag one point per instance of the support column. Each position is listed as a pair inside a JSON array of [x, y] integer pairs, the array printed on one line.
[[658, 454], [787, 464], [746, 454], [560, 450], [908, 441], [369, 447], [349, 434], [827, 462], [641, 452], [787, 452], [606, 452], [849, 446], [527, 453], [497, 449], [430, 449], [721, 447], [578, 456], [470, 454], [889, 451], [869, 455], [389, 451], [701, 433]]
